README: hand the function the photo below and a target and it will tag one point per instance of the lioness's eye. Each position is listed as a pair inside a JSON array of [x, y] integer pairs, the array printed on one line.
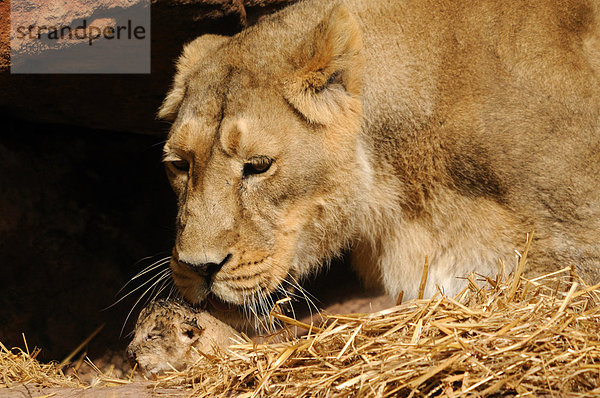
[[257, 165], [180, 165]]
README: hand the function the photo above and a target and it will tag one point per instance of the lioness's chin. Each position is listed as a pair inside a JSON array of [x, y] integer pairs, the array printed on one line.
[[231, 313], [249, 310], [247, 317], [237, 319]]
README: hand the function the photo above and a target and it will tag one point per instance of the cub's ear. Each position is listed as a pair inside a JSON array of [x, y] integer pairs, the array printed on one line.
[[190, 330], [327, 81], [192, 54]]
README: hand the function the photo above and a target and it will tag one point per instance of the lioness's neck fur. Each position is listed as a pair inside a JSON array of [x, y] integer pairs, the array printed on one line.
[[405, 129]]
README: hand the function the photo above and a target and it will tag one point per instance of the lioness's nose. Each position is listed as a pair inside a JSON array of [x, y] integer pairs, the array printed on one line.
[[205, 270]]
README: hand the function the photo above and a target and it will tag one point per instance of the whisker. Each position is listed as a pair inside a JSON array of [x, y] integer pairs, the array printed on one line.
[[306, 294], [161, 275], [149, 257], [166, 279], [269, 305], [299, 287], [256, 318], [152, 266], [146, 270], [162, 288], [258, 304], [265, 309], [160, 142], [291, 294], [172, 291], [149, 269], [303, 294], [158, 275], [287, 294]]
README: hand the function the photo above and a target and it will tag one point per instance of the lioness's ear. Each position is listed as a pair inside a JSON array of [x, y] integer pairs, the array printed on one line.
[[192, 54], [330, 68]]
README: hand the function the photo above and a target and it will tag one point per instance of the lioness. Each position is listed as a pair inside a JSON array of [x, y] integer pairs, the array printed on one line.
[[397, 128]]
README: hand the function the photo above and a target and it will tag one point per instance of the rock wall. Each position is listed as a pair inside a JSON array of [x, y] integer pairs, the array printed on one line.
[[118, 102]]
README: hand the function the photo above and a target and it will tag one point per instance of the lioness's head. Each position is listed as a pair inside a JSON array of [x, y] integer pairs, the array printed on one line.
[[265, 157]]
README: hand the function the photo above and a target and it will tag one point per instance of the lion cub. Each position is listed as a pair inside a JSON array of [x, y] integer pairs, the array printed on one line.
[[169, 335]]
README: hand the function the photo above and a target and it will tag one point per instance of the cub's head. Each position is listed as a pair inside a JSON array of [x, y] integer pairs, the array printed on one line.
[[265, 157], [165, 335], [171, 335]]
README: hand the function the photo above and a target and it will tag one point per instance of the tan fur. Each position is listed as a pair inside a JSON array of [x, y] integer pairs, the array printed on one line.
[[399, 129], [170, 335]]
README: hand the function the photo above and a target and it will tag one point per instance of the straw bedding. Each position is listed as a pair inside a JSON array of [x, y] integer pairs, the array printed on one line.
[[497, 337], [19, 366], [538, 336]]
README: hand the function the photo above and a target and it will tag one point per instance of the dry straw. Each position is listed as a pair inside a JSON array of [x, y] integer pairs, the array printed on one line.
[[20, 366], [497, 337]]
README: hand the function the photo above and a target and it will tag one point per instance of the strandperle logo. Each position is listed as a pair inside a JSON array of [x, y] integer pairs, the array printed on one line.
[[108, 36], [82, 32]]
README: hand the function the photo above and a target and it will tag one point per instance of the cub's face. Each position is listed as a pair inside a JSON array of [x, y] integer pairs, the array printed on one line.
[[164, 336], [264, 158]]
